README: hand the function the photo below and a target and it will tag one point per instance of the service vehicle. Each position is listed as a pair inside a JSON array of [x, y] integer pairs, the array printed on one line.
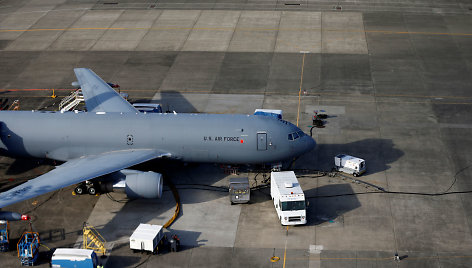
[[239, 190], [288, 197], [349, 164], [148, 107], [74, 257], [269, 112], [147, 237]]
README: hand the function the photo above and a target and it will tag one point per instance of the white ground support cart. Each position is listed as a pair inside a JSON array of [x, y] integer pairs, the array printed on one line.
[[147, 237], [349, 164]]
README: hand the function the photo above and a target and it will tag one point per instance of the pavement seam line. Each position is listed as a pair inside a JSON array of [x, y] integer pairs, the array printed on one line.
[[300, 90]]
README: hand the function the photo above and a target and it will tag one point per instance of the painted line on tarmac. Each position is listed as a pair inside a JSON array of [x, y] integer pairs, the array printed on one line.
[[240, 29], [239, 92], [300, 91], [446, 100]]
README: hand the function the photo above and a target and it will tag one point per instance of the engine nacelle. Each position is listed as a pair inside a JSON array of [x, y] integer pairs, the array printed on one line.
[[136, 184], [13, 216]]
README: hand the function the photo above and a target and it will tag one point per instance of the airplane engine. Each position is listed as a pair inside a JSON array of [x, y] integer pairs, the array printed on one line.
[[137, 184]]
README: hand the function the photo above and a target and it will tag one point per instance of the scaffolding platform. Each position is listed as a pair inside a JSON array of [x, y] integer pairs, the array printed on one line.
[[28, 248]]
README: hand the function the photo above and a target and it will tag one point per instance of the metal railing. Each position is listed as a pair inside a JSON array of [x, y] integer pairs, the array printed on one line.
[[71, 101]]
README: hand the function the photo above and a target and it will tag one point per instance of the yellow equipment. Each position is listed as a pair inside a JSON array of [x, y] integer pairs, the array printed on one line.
[[93, 240]]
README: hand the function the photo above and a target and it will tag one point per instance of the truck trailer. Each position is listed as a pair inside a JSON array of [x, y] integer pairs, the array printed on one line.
[[288, 197], [74, 257], [146, 237]]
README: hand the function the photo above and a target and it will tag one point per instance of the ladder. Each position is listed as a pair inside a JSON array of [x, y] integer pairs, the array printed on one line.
[[93, 240], [70, 102]]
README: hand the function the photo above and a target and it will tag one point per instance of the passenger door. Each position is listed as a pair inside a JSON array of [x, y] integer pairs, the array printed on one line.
[[261, 141]]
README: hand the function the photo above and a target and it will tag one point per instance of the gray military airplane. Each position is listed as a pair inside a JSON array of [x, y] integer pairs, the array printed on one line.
[[112, 136]]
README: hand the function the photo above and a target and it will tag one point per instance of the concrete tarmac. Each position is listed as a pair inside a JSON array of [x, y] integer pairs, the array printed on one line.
[[395, 80]]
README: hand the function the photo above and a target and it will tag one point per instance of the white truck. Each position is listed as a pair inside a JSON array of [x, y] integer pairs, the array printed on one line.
[[74, 257], [288, 197], [147, 237], [349, 164], [269, 112]]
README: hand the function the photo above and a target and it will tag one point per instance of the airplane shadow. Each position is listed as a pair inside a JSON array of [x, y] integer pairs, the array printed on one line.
[[325, 209], [156, 211], [171, 101], [22, 165], [378, 154]]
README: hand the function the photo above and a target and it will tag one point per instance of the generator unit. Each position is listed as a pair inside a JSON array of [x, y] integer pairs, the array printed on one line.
[[147, 237], [349, 164], [239, 190]]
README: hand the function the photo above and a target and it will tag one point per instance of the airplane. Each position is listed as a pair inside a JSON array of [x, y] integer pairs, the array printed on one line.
[[112, 136]]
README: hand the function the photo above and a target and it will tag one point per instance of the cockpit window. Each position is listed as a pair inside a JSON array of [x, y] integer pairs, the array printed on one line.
[[295, 135]]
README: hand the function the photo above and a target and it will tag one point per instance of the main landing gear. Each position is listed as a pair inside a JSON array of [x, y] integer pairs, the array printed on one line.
[[86, 187]]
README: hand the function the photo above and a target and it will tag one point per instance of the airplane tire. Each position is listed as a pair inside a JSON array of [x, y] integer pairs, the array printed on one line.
[[92, 191], [79, 190], [356, 174]]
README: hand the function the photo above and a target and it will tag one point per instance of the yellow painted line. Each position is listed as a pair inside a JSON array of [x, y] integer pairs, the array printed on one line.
[[285, 250], [300, 91], [240, 29], [386, 258]]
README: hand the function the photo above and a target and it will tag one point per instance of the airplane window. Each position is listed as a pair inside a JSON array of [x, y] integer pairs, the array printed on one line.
[[301, 133], [290, 137], [295, 136]]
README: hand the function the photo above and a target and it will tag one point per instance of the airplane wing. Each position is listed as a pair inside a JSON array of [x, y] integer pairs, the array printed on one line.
[[76, 171], [99, 96]]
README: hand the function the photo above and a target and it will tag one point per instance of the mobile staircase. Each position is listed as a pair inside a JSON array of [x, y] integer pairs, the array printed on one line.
[[93, 240], [28, 248], [72, 101], [15, 106]]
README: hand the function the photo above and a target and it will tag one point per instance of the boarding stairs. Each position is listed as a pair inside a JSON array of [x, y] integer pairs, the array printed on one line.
[[70, 102], [93, 240], [15, 106]]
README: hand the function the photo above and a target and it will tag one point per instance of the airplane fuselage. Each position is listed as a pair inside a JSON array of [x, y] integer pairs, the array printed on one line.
[[237, 139]]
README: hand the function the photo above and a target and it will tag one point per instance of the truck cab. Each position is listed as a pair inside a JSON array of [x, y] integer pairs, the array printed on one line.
[[288, 198]]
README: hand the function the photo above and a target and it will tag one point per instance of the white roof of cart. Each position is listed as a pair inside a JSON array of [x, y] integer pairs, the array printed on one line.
[[350, 158]]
